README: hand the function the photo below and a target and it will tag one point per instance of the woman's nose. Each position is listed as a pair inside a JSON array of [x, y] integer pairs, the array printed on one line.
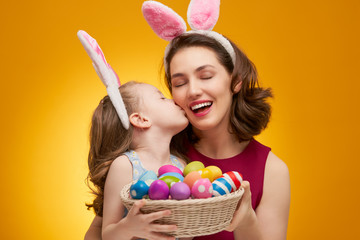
[[194, 89]]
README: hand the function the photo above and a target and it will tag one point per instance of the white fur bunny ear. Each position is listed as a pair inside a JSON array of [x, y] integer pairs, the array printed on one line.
[[166, 23], [203, 14], [106, 74]]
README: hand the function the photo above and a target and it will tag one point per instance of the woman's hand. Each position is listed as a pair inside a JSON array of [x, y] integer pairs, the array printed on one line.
[[244, 213], [143, 226]]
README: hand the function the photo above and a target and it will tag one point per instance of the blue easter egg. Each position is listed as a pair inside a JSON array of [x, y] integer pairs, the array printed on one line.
[[139, 189], [173, 174], [221, 186], [148, 177]]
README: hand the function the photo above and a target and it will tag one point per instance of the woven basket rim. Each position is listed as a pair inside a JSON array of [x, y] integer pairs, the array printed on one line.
[[212, 223]]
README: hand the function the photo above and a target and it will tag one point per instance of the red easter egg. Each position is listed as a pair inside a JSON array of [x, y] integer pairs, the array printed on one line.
[[235, 179]]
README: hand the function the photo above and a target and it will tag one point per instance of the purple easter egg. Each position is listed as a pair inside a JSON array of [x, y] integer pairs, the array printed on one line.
[[180, 191], [168, 168], [159, 190]]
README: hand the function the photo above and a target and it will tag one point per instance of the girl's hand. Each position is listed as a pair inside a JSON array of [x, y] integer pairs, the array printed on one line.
[[143, 224], [244, 213]]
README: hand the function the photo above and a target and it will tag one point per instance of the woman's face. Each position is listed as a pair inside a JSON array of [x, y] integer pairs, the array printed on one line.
[[201, 86]]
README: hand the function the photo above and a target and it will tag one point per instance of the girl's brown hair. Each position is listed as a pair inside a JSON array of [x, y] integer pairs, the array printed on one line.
[[108, 140], [250, 111]]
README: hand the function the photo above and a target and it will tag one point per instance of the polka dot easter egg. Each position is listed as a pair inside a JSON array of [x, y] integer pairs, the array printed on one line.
[[170, 180], [174, 174], [139, 189], [202, 188], [235, 179]]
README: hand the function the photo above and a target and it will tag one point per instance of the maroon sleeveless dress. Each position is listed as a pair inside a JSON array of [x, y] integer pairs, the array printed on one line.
[[250, 163]]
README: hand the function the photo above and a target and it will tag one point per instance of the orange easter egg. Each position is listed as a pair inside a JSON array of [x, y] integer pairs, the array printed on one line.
[[191, 178]]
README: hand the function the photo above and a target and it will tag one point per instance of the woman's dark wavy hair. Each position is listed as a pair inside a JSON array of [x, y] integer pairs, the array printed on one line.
[[250, 111]]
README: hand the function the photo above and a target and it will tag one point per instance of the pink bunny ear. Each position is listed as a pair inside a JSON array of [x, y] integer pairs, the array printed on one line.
[[166, 23], [203, 14], [106, 74], [103, 69]]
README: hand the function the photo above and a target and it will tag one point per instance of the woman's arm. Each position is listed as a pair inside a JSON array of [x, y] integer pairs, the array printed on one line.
[[270, 220], [94, 231]]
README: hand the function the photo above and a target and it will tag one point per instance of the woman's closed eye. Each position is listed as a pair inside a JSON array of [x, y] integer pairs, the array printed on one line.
[[178, 83]]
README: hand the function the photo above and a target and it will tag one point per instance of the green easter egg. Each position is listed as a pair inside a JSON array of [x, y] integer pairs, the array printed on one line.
[[170, 180], [193, 166]]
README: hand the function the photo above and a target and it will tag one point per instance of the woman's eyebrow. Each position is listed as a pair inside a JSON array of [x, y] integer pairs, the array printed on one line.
[[202, 67], [177, 75], [196, 70]]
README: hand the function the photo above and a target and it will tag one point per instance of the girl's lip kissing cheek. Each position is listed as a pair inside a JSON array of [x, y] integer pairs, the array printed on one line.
[[201, 108]]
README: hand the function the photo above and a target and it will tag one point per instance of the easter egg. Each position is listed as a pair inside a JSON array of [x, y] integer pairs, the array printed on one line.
[[235, 179], [148, 177], [159, 190], [170, 180], [168, 168], [206, 173], [202, 188], [174, 174], [191, 178], [221, 186], [139, 189], [180, 191], [193, 166], [216, 171]]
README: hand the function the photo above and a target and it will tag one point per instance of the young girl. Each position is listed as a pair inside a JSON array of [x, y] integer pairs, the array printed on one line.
[[121, 149]]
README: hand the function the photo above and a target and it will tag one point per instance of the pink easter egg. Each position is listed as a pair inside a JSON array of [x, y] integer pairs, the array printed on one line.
[[158, 190], [180, 191], [235, 179], [168, 168], [202, 188]]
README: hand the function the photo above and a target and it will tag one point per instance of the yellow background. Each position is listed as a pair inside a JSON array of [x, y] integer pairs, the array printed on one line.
[[307, 51]]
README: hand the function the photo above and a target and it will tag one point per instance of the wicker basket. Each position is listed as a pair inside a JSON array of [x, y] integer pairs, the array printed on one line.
[[193, 217]]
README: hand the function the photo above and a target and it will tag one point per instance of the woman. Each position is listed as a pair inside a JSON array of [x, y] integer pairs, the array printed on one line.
[[226, 109]]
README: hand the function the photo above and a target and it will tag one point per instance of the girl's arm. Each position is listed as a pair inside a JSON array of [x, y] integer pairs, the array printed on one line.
[[271, 217], [135, 224]]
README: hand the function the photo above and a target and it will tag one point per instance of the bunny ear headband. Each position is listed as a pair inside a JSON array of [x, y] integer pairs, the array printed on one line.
[[202, 16], [106, 74]]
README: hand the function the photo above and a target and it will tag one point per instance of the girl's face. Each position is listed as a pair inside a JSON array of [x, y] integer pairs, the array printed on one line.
[[201, 86], [163, 112]]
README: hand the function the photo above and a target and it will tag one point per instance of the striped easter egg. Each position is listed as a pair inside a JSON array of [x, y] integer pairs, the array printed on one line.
[[235, 179], [221, 186]]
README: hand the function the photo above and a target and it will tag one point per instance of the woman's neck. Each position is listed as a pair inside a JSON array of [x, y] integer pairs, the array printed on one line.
[[219, 144]]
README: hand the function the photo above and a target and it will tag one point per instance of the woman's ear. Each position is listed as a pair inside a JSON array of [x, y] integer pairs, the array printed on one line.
[[237, 87], [139, 121]]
